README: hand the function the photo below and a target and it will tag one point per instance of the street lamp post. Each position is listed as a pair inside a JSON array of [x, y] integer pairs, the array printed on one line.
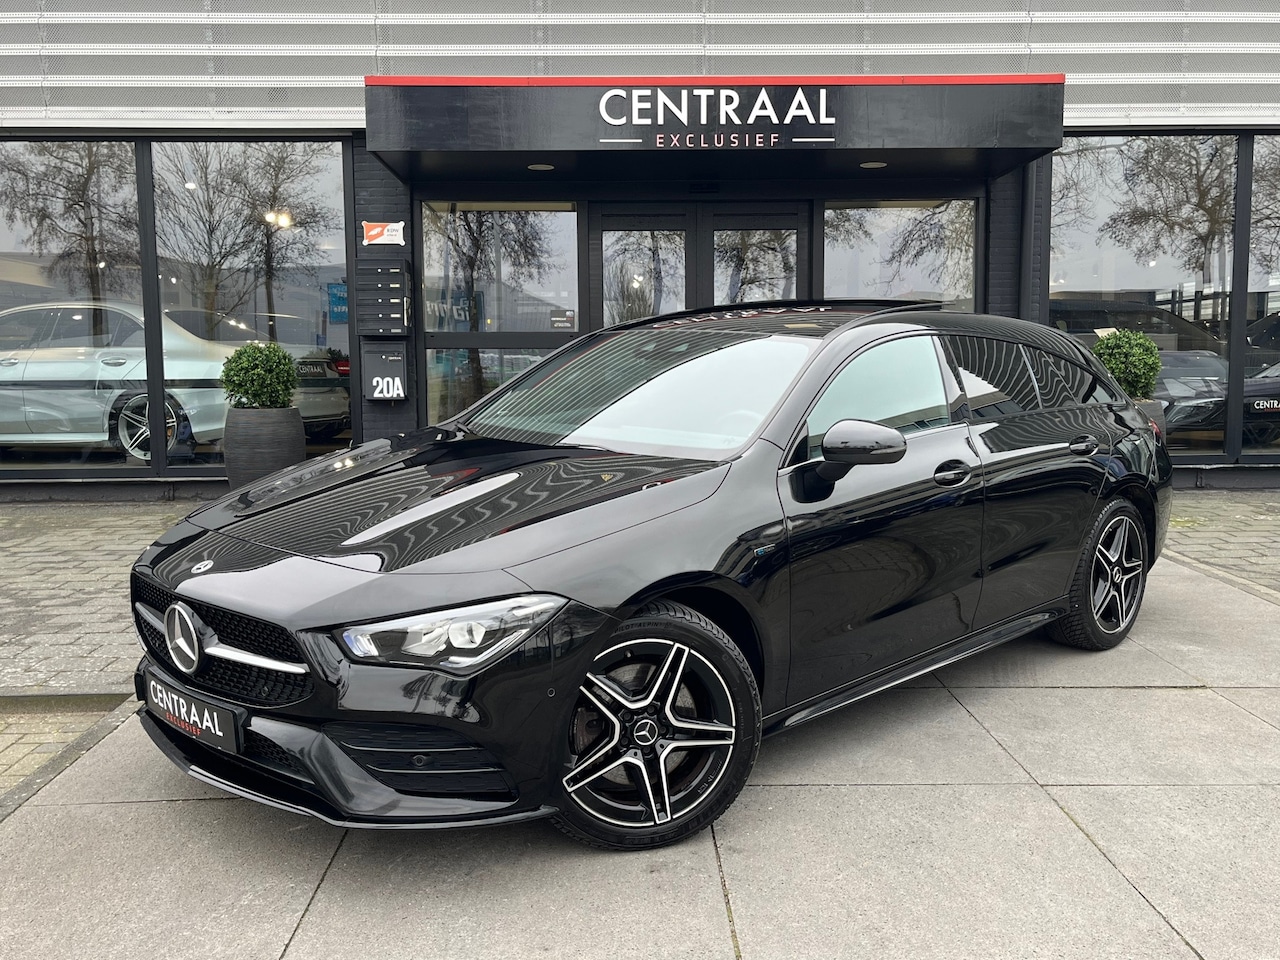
[[273, 220]]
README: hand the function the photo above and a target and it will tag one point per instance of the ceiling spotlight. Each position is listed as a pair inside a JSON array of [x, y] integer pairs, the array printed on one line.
[[873, 165], [541, 167]]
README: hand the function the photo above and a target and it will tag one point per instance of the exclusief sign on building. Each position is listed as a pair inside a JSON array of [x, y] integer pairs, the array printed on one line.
[[449, 114]]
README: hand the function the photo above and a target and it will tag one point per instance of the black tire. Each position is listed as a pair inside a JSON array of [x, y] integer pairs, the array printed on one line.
[[1110, 580], [131, 436], [668, 676]]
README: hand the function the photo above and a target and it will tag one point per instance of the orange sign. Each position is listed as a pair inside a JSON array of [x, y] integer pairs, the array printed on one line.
[[383, 232]]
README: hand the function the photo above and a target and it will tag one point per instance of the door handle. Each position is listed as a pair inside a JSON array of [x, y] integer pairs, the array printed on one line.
[[951, 473], [1083, 446], [8, 361], [114, 361]]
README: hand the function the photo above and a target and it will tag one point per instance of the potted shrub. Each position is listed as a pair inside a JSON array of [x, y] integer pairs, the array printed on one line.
[[264, 430], [1134, 360]]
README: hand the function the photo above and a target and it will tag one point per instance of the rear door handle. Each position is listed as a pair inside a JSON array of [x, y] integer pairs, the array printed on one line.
[[951, 473], [114, 361], [9, 361], [1083, 446]]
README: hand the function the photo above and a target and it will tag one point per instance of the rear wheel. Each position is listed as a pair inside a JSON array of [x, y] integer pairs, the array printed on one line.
[[131, 429], [663, 734], [1109, 582]]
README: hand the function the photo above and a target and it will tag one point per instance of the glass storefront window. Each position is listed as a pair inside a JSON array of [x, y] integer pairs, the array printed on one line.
[[73, 376], [1262, 375], [644, 273], [918, 249], [1142, 240], [754, 265], [500, 267], [450, 380], [251, 247]]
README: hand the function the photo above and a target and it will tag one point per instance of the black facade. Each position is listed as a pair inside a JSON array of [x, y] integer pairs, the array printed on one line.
[[693, 159]]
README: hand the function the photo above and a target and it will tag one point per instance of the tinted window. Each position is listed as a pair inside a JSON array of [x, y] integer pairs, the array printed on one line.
[[898, 384], [995, 375], [1064, 384]]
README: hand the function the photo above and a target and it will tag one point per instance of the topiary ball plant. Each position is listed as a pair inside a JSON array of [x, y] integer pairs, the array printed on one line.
[[1133, 359], [260, 375]]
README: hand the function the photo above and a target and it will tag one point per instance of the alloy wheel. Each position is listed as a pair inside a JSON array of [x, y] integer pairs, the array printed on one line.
[[651, 734], [1115, 586], [134, 430]]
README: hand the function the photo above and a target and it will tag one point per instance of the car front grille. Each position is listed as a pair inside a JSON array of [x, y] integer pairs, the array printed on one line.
[[239, 682], [427, 761]]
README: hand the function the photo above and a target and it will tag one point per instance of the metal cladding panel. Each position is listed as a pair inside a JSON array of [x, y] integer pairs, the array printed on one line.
[[879, 116]]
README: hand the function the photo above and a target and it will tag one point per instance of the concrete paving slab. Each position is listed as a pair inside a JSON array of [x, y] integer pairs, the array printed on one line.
[[1036, 661], [1120, 736], [511, 892], [1262, 702], [125, 767], [926, 872], [899, 736], [191, 879], [1204, 856]]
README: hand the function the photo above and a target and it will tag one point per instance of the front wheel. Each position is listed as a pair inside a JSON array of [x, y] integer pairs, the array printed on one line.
[[1109, 582], [663, 735]]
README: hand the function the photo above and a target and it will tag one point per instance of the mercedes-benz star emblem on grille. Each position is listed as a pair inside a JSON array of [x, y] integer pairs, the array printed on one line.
[[202, 566], [182, 637]]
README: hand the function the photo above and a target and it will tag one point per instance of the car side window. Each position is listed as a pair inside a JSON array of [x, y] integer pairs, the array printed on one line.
[[996, 377], [86, 326], [20, 328], [1082, 384], [898, 383]]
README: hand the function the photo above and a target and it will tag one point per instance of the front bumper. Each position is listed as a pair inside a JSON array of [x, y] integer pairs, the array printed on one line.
[[313, 768]]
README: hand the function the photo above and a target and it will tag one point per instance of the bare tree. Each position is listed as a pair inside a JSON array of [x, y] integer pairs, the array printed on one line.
[[77, 202], [205, 230], [625, 296], [759, 264], [1178, 200], [941, 238], [486, 246], [1265, 237], [657, 256], [279, 185], [1080, 172]]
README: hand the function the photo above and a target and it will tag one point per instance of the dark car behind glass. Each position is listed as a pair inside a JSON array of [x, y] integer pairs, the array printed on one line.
[[589, 595]]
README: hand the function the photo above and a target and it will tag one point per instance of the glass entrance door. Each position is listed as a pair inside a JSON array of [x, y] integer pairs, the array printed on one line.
[[659, 258]]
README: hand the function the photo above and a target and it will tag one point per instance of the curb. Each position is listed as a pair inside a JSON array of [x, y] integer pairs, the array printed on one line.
[[68, 755]]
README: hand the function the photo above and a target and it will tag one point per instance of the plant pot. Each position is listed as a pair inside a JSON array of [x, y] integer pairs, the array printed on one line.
[[1152, 410], [258, 441]]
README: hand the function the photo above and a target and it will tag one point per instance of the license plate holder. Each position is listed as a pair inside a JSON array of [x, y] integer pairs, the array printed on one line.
[[206, 722]]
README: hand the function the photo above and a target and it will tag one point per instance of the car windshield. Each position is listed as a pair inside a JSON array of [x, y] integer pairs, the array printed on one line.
[[682, 392]]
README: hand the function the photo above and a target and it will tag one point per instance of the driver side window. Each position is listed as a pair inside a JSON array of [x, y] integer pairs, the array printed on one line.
[[898, 383]]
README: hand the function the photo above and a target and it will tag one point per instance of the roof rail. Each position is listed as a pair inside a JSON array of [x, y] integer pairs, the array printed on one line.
[[911, 307]]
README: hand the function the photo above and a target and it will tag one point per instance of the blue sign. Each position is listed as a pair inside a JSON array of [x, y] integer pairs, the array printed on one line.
[[337, 303]]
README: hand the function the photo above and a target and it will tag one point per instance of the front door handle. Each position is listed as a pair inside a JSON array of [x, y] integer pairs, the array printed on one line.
[[114, 361], [951, 473], [8, 361], [1083, 446]]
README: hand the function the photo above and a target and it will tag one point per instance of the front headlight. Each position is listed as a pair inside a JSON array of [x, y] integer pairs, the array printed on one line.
[[461, 642]]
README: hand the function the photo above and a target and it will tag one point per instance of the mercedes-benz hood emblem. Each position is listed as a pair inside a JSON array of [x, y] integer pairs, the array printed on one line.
[[182, 637]]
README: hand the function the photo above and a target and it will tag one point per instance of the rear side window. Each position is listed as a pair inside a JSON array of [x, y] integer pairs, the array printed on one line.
[[1063, 383], [995, 376]]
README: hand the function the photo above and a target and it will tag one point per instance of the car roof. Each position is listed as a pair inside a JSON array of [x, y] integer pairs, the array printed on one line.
[[826, 318]]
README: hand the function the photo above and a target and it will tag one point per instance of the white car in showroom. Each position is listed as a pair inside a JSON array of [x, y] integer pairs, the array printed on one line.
[[74, 374]]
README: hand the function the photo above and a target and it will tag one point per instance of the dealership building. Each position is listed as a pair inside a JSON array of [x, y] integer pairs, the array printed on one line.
[[417, 201]]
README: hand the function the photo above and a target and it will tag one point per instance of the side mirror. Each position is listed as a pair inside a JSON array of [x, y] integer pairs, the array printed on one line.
[[852, 442]]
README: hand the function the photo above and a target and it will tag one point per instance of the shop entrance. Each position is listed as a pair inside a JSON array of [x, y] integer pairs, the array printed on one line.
[[656, 258], [502, 281]]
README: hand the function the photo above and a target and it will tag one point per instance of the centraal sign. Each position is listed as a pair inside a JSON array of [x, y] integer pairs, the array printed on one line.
[[421, 116], [718, 117]]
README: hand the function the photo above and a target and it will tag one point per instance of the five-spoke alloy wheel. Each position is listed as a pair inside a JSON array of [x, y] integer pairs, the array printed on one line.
[[1109, 582], [663, 733], [131, 429]]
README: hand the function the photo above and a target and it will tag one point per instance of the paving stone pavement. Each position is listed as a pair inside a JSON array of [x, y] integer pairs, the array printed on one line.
[[1236, 533], [64, 594], [30, 740]]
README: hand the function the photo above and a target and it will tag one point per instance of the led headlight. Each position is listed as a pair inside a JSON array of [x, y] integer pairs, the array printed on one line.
[[462, 641]]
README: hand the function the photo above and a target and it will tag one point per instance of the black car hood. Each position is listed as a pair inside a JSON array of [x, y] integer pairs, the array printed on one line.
[[418, 504]]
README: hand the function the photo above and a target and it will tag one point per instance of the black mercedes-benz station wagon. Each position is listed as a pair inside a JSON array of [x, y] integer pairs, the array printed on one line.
[[589, 595]]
